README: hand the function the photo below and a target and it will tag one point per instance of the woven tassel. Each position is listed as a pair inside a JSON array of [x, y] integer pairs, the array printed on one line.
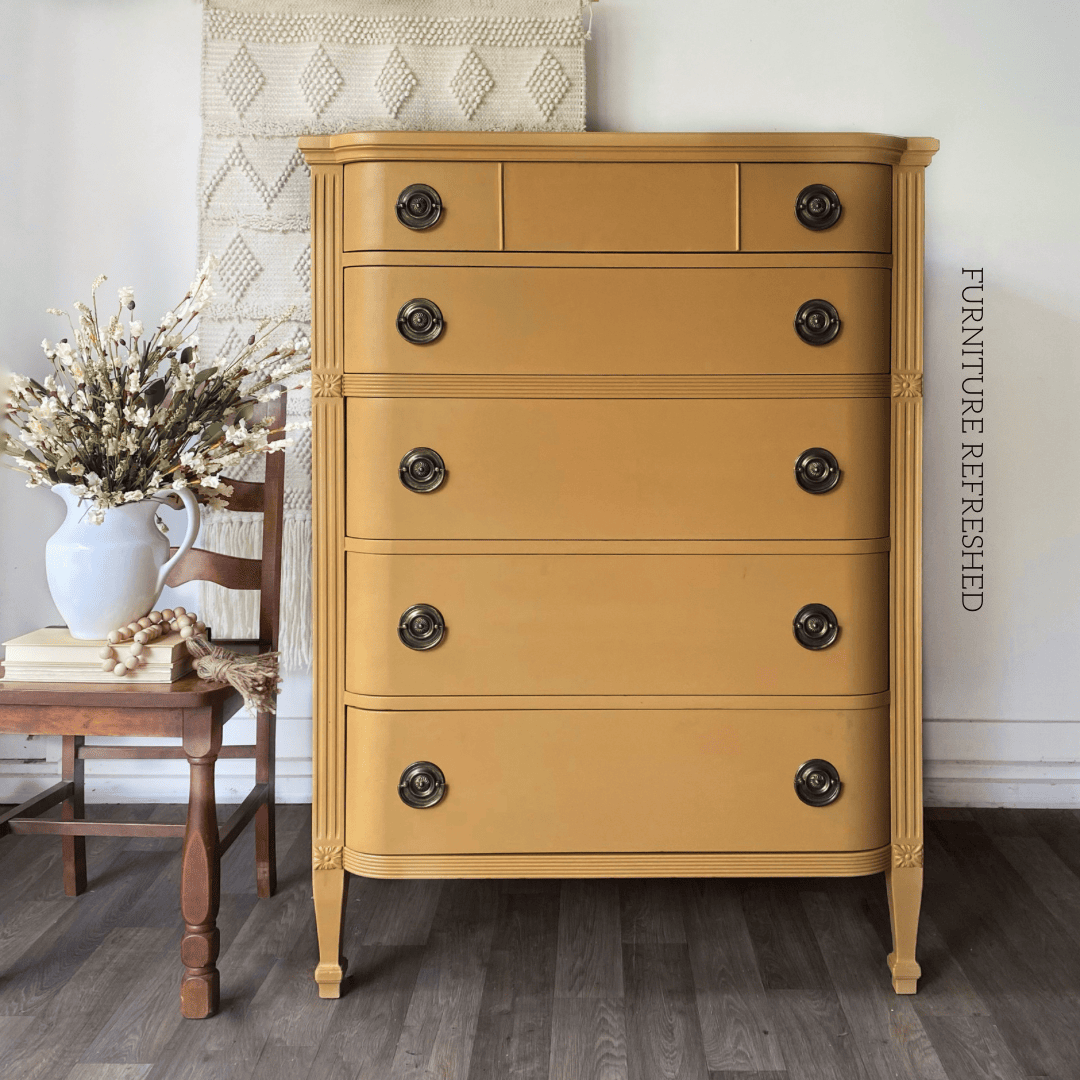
[[255, 677]]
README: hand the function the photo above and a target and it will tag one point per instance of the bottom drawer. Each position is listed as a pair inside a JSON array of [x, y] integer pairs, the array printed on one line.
[[616, 781]]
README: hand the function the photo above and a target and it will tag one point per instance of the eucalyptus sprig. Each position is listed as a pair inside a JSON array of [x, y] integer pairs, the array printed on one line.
[[128, 414]]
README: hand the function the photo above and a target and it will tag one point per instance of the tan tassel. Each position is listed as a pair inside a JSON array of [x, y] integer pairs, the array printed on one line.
[[256, 677]]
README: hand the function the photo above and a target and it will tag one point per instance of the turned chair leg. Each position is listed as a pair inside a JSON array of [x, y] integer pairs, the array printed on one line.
[[330, 886], [73, 809], [200, 883], [265, 817]]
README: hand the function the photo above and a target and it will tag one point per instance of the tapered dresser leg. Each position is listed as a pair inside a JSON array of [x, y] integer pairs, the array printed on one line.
[[200, 882], [904, 885], [331, 889]]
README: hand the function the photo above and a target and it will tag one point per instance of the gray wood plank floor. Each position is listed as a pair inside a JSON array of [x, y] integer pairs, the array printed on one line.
[[552, 980]]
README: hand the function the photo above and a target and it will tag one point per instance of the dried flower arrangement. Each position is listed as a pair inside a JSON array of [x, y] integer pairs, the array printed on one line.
[[129, 415]]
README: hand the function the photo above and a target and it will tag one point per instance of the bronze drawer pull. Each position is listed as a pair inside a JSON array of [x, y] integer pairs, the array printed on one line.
[[817, 783], [815, 626], [422, 469], [817, 322], [420, 321], [418, 207], [818, 207], [421, 627], [422, 785], [817, 470]]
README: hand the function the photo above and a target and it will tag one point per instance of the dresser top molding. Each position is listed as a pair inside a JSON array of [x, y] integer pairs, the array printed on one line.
[[617, 146]]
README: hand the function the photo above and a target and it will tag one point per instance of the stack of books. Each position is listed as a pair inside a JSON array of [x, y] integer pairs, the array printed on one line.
[[53, 655]]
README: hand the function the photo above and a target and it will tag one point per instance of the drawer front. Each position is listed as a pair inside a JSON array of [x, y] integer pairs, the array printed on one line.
[[615, 321], [631, 780], [469, 206], [770, 221], [616, 624], [597, 206], [623, 469]]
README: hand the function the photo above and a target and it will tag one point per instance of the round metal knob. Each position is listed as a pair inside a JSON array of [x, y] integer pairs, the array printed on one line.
[[815, 626], [817, 471], [421, 627], [817, 322], [818, 207], [422, 469], [817, 783], [418, 206], [422, 785], [419, 321]]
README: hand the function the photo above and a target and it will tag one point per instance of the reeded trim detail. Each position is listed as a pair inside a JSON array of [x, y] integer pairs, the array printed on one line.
[[907, 384], [617, 547], [907, 855], [618, 864], [617, 386], [638, 260], [444, 704], [326, 856]]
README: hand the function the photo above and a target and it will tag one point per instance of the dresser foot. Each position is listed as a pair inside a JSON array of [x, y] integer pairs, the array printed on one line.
[[904, 886], [331, 890]]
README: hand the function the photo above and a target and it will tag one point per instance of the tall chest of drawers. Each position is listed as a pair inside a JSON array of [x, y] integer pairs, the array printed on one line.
[[617, 486]]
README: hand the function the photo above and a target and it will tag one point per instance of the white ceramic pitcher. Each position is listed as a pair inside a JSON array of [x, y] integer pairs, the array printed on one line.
[[104, 576]]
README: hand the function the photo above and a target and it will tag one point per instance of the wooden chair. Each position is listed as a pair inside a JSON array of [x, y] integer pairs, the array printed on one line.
[[190, 709]]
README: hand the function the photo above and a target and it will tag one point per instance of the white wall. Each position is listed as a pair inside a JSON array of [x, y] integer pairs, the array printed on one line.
[[100, 118]]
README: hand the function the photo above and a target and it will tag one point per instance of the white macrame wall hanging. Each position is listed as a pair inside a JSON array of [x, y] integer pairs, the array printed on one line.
[[272, 71]]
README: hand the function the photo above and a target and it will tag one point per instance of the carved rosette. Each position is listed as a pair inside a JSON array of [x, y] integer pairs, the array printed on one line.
[[907, 384], [907, 856], [326, 384], [325, 857]]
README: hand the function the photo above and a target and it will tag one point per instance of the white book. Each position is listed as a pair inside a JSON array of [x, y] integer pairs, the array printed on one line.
[[79, 673], [54, 644]]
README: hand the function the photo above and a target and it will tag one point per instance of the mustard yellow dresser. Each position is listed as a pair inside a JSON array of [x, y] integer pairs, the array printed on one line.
[[617, 485]]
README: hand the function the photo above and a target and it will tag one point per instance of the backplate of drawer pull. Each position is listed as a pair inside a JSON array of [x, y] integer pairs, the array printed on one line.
[[817, 322], [818, 207], [815, 626], [817, 470], [422, 785], [421, 627], [817, 783], [421, 321], [422, 469], [419, 207]]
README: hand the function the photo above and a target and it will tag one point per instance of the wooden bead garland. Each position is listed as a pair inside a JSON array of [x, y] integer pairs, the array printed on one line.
[[143, 631]]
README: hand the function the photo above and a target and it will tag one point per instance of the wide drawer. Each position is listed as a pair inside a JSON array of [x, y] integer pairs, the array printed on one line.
[[543, 624], [596, 320], [862, 210], [626, 780], [616, 469], [468, 216], [610, 206]]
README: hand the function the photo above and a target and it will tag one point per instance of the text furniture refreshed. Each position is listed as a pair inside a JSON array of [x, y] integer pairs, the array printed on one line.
[[617, 487]]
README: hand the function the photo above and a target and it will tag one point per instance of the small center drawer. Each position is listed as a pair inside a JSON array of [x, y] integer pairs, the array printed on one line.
[[538, 624], [626, 780], [617, 469], [601, 206]]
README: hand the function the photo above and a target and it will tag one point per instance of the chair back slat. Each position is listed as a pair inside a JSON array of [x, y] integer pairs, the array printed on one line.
[[262, 574], [229, 571], [247, 497]]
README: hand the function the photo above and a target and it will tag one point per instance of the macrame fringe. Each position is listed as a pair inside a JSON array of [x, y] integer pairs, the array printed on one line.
[[256, 677], [234, 613]]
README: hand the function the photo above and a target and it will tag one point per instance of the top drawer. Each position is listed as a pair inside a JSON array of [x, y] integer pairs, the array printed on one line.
[[812, 207], [464, 214], [600, 206]]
